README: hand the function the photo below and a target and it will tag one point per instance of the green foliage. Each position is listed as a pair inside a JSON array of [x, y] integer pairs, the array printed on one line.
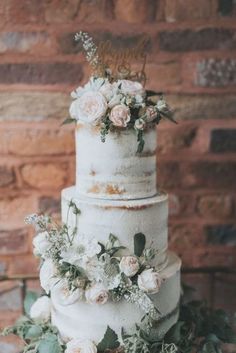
[[150, 93], [49, 344], [139, 244], [109, 341], [105, 128], [112, 245], [141, 141], [30, 298], [68, 121]]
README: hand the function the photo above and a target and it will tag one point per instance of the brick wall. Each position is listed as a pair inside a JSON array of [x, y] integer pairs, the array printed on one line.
[[192, 58]]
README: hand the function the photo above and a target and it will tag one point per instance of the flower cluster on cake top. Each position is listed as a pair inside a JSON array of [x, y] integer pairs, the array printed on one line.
[[115, 102]]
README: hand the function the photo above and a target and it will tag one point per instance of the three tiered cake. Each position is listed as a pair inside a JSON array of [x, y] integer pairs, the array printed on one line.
[[108, 277]]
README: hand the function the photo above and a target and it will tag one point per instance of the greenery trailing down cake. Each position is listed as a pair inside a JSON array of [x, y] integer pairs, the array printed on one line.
[[109, 281]]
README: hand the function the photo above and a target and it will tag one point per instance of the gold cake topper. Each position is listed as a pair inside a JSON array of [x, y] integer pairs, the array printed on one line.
[[108, 61]]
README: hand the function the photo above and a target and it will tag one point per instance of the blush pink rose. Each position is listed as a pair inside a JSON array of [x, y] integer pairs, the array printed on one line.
[[151, 114], [96, 294], [120, 115]]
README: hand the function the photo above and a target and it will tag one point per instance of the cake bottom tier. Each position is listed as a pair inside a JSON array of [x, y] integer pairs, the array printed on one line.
[[82, 320]]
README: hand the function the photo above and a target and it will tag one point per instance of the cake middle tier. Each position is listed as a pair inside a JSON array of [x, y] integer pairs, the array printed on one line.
[[113, 169], [124, 219]]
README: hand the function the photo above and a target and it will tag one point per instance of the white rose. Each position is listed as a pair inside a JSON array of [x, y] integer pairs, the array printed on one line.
[[47, 275], [129, 265], [80, 346], [41, 244], [41, 310], [120, 115], [140, 124], [151, 114], [96, 294], [131, 87], [149, 281], [64, 295], [90, 107]]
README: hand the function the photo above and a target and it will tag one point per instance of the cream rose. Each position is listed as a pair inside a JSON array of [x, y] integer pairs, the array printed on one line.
[[131, 87], [96, 294], [41, 244], [41, 310], [129, 265], [47, 275], [89, 108], [149, 281], [80, 346], [120, 115], [65, 296], [151, 114]]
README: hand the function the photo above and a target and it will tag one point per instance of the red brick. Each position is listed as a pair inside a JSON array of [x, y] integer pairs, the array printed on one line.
[[135, 11], [41, 73], [178, 10], [201, 39], [14, 242], [33, 106], [168, 175], [24, 12], [33, 285], [36, 43], [14, 209], [49, 205], [33, 141], [24, 266], [163, 75], [8, 318], [3, 267], [64, 11], [216, 206], [202, 106], [185, 237], [60, 11], [67, 44], [209, 257], [177, 139], [209, 174], [45, 176], [221, 234], [7, 176]]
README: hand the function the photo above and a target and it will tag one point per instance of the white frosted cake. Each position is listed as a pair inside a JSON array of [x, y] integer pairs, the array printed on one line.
[[107, 271]]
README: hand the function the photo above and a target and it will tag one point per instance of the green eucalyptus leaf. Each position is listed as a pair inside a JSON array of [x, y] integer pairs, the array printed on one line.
[[30, 299], [109, 341], [174, 333], [209, 347], [139, 244], [49, 344], [150, 93], [68, 121], [34, 332]]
